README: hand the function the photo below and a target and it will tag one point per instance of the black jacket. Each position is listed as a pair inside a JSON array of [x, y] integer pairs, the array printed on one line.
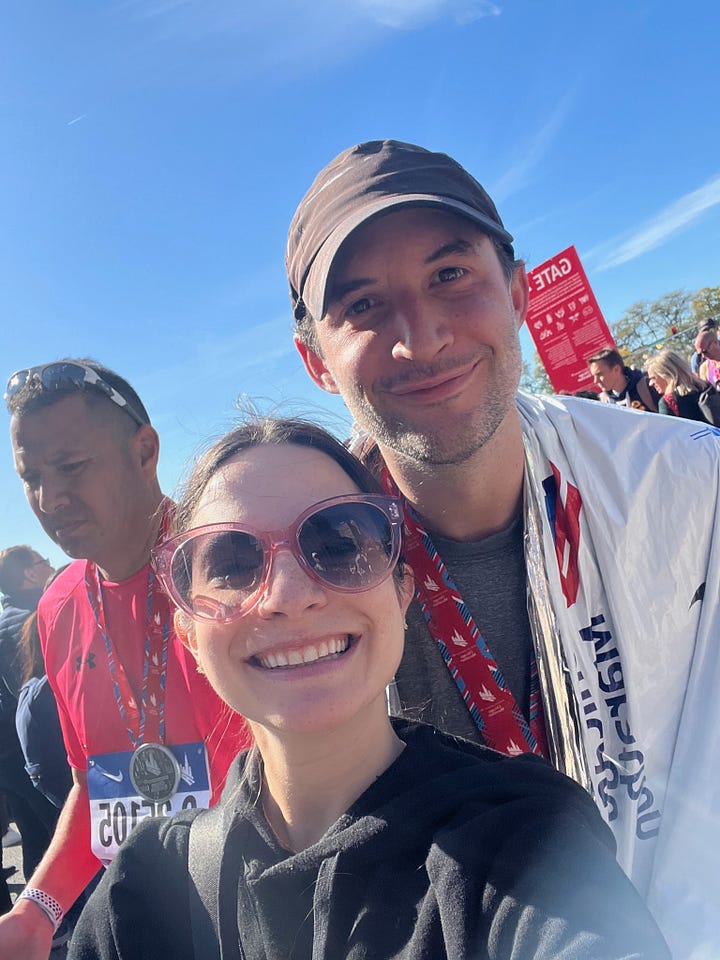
[[688, 406], [454, 852], [637, 393]]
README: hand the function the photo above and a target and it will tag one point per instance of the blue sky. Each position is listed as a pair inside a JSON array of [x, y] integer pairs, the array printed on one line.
[[153, 152]]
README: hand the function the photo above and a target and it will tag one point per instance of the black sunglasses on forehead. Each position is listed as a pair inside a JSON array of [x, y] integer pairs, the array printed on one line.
[[56, 376]]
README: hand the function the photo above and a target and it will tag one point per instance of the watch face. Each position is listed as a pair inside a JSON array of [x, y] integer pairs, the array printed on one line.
[[154, 772]]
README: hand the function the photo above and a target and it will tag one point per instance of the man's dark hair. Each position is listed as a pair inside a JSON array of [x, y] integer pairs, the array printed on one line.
[[14, 561], [33, 396], [609, 356]]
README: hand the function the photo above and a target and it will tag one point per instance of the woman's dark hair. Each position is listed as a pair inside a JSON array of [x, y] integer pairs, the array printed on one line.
[[260, 430], [30, 658], [29, 652]]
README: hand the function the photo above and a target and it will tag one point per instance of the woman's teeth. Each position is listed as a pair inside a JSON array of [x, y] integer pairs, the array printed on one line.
[[309, 654]]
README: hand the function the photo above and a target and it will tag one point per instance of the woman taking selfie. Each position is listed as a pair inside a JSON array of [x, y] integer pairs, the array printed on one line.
[[342, 833]]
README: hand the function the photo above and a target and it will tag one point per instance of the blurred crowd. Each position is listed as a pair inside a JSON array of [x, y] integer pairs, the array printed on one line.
[[670, 383]]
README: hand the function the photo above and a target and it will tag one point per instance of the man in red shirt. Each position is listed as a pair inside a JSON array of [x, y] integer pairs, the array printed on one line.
[[145, 734]]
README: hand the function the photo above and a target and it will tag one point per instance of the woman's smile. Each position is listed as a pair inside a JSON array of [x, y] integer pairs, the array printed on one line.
[[298, 656]]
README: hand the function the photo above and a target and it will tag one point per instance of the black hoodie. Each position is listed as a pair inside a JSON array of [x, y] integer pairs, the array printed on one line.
[[454, 852]]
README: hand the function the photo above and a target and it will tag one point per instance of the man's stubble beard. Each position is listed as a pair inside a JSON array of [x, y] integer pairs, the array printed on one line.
[[464, 438]]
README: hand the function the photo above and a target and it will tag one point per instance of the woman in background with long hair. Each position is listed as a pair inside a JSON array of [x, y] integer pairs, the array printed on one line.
[[677, 385]]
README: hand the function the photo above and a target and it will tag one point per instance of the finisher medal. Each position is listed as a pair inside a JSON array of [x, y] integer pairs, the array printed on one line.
[[154, 772]]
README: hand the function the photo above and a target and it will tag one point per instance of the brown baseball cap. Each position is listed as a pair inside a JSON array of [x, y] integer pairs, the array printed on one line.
[[361, 183]]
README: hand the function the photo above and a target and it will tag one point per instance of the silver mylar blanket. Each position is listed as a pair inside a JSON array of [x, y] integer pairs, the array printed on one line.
[[622, 544]]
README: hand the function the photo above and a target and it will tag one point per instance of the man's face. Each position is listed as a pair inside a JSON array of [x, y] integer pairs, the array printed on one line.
[[607, 376], [420, 336], [708, 345], [82, 477], [39, 572]]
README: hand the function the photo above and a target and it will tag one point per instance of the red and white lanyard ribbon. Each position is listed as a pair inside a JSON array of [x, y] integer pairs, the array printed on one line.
[[465, 652], [144, 717]]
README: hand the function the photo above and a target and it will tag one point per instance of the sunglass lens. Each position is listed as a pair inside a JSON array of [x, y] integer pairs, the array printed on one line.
[[57, 374], [16, 382], [217, 574], [348, 545]]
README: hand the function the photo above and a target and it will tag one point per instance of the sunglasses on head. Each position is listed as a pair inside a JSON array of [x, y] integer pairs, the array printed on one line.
[[56, 376], [219, 572]]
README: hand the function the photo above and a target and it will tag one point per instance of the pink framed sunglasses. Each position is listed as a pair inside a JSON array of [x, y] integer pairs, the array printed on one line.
[[218, 572]]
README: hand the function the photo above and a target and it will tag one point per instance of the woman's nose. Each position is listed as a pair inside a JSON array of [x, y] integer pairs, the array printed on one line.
[[289, 590]]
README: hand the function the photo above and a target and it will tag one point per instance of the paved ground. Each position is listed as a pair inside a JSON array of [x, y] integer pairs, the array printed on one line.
[[12, 857]]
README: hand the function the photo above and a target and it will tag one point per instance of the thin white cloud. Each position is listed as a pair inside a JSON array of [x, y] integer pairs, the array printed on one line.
[[147, 9], [409, 14], [520, 174], [273, 32], [659, 228], [244, 356], [76, 120]]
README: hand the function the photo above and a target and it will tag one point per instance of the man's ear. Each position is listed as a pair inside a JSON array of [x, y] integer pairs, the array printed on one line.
[[146, 444], [185, 629], [315, 366], [520, 293]]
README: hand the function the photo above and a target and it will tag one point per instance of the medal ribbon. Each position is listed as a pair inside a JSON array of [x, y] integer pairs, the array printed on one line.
[[148, 716], [465, 652]]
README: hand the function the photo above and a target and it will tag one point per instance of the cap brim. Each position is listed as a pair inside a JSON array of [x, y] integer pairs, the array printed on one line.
[[315, 289]]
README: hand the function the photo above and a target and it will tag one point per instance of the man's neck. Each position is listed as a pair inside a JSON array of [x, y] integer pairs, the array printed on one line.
[[124, 564], [621, 389], [469, 500]]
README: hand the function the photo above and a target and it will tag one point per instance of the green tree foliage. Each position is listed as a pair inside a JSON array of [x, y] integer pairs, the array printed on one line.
[[534, 379], [706, 303], [648, 325]]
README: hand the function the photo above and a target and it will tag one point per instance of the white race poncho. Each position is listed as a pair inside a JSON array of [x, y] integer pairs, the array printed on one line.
[[625, 506]]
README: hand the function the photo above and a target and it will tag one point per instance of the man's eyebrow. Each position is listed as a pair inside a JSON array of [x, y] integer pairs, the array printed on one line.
[[447, 249], [340, 290], [69, 453]]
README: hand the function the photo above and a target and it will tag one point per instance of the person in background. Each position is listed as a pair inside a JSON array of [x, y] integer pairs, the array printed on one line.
[[621, 385], [37, 721], [708, 346], [709, 323], [144, 733], [23, 574], [41, 740], [679, 388], [343, 833]]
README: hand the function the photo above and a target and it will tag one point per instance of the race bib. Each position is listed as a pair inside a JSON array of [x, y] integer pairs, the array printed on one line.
[[115, 807]]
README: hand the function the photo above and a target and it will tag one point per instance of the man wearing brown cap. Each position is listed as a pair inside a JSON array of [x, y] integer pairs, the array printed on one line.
[[528, 519]]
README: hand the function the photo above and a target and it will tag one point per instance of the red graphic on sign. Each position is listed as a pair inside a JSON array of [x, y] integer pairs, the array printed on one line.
[[567, 531], [565, 321]]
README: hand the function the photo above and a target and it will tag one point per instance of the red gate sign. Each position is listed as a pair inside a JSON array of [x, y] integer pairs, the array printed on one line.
[[565, 321]]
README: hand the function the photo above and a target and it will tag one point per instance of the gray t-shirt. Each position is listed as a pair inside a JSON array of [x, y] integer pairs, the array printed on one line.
[[490, 577]]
